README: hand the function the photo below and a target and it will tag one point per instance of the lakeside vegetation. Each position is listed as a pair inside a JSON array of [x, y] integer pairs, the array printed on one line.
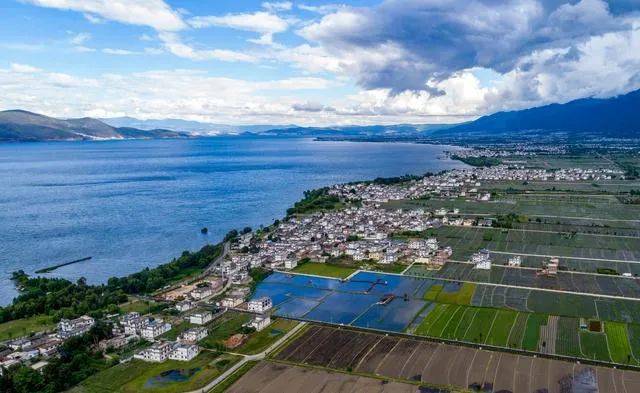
[[478, 161], [61, 298]]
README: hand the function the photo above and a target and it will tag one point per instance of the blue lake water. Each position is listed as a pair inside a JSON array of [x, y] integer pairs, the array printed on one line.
[[132, 204]]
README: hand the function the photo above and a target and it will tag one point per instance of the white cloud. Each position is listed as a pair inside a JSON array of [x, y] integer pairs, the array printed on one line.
[[24, 68], [122, 52], [277, 6], [94, 19], [153, 13], [83, 49], [174, 45], [261, 22], [80, 38]]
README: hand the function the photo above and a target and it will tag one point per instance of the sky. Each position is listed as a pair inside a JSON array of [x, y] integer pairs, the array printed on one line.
[[312, 63]]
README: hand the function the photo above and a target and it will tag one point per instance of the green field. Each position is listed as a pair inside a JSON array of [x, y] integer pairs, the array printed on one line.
[[139, 306], [480, 325], [259, 341], [518, 331], [224, 327], [462, 296], [136, 375], [325, 269], [532, 331], [24, 327], [619, 345], [501, 328], [594, 346], [568, 339]]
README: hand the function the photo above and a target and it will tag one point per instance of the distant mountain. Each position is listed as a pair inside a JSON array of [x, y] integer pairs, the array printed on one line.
[[190, 126], [23, 126], [616, 117], [403, 130]]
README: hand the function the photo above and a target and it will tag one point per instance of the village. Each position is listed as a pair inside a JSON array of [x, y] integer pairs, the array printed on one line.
[[363, 234]]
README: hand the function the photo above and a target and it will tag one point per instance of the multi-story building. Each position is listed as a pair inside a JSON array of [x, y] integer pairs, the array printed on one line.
[[154, 329], [260, 305], [184, 352], [158, 352], [193, 335], [201, 318], [75, 327]]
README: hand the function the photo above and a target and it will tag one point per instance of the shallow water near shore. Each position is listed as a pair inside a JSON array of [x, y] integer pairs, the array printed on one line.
[[137, 203]]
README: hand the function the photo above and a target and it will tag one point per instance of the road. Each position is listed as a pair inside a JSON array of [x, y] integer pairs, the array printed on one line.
[[249, 358]]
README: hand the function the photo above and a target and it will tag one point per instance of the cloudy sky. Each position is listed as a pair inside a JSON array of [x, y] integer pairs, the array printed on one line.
[[312, 62]]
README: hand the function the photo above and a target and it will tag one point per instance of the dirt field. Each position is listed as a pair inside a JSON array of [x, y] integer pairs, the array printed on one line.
[[269, 377], [441, 364]]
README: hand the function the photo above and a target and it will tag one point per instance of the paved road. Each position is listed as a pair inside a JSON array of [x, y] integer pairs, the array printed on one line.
[[248, 358], [565, 257], [547, 231]]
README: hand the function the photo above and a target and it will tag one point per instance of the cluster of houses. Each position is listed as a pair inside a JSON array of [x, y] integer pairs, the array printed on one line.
[[465, 182], [36, 349], [133, 326]]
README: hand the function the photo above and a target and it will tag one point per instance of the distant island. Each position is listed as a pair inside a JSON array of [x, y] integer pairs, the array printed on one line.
[[24, 126]]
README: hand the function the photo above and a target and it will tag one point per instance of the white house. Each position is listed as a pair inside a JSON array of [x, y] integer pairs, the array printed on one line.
[[184, 306], [184, 352], [155, 328], [231, 301], [201, 293], [201, 318], [260, 305], [290, 264], [260, 322], [515, 261], [132, 323], [75, 327], [193, 335], [482, 260], [158, 352]]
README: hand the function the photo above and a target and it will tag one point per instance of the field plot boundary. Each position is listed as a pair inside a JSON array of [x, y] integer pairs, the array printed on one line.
[[470, 344]]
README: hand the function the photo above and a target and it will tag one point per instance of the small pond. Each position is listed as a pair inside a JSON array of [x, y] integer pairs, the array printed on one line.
[[170, 377]]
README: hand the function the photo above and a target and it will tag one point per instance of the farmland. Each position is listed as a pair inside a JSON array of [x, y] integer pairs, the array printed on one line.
[[475, 313], [413, 360]]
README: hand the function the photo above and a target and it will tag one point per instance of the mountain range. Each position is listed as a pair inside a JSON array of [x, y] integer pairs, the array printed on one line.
[[24, 126], [615, 117]]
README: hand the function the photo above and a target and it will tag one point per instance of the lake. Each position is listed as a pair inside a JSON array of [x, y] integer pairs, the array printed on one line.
[[137, 203]]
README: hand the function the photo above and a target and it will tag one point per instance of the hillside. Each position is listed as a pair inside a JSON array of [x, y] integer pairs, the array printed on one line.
[[616, 117], [24, 126]]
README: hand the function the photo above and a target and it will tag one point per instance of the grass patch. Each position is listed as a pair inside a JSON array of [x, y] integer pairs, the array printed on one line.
[[619, 345], [532, 331], [440, 312], [224, 327], [325, 269], [463, 296], [594, 346], [481, 325], [131, 377], [567, 340], [499, 333], [259, 341], [433, 292], [391, 267], [24, 327], [517, 332], [176, 330], [139, 306]]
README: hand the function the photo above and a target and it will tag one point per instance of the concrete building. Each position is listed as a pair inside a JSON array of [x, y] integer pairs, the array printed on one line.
[[154, 328], [260, 322], [260, 305], [193, 335], [515, 261], [482, 259], [184, 352], [158, 352], [75, 327], [201, 318]]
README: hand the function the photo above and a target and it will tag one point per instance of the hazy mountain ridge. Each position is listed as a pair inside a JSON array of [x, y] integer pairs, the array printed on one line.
[[24, 126], [615, 117]]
